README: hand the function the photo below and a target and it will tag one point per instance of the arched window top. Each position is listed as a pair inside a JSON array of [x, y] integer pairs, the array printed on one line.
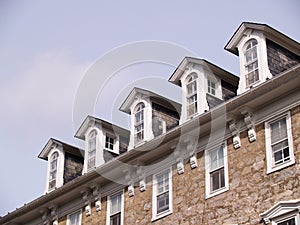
[[139, 107], [250, 44], [92, 133], [191, 77], [54, 156]]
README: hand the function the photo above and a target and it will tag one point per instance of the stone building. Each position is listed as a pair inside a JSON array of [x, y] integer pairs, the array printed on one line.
[[230, 154]]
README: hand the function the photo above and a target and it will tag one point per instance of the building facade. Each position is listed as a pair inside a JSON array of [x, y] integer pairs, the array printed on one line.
[[229, 154]]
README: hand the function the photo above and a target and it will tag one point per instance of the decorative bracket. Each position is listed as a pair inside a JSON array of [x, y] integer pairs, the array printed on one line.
[[53, 215], [97, 196], [131, 190], [87, 202], [248, 118], [235, 132], [142, 178], [193, 162]]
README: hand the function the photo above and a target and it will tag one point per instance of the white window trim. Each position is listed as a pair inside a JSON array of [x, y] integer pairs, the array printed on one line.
[[155, 215], [115, 144], [108, 207], [218, 87], [209, 193], [282, 211], [80, 216], [270, 167], [188, 96], [293, 215], [142, 131], [60, 168]]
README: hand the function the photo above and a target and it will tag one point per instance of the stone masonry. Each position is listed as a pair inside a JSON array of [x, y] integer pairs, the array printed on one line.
[[251, 190]]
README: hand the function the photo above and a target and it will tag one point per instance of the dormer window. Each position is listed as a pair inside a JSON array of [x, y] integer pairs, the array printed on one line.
[[53, 171], [211, 87], [91, 161], [109, 142], [251, 62], [191, 87], [139, 123]]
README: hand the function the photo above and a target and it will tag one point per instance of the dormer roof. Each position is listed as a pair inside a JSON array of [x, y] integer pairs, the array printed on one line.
[[66, 148], [216, 70], [92, 121], [125, 107], [269, 32]]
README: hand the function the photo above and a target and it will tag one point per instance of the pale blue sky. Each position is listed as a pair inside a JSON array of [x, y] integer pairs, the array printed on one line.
[[47, 46]]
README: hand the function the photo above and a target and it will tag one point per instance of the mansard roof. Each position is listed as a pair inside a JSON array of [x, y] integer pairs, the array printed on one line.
[[125, 107], [66, 148], [216, 70], [267, 92], [270, 33], [92, 121]]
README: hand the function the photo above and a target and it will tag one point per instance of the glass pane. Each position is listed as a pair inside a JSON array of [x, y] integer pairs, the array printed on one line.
[[115, 219], [278, 130], [74, 218], [115, 203], [163, 202], [216, 158], [217, 179], [288, 222]]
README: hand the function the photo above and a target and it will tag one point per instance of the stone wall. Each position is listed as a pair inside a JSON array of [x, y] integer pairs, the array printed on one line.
[[73, 167], [251, 190]]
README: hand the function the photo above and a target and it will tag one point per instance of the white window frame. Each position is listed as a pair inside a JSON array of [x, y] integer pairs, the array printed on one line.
[[109, 207], [155, 193], [76, 212], [140, 123], [271, 167], [53, 171], [211, 89], [209, 192], [251, 62], [108, 143], [92, 135], [192, 98], [282, 211], [284, 218]]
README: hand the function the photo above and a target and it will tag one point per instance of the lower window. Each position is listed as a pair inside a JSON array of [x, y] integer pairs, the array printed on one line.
[[279, 144], [162, 194], [216, 170], [115, 209], [288, 222], [74, 218]]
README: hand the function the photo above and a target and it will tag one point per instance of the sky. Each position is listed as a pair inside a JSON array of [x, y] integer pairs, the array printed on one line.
[[47, 49]]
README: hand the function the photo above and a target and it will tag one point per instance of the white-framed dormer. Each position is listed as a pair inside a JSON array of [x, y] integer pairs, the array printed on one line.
[[201, 84], [259, 47], [100, 137], [253, 60], [54, 154], [151, 115]]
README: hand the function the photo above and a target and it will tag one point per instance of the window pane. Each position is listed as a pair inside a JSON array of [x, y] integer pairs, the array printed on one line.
[[278, 130], [115, 219], [162, 182], [74, 218], [288, 222], [115, 203], [162, 202], [217, 179], [216, 158]]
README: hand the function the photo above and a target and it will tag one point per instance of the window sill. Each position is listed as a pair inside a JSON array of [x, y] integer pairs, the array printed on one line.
[[281, 166], [216, 192], [161, 215]]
